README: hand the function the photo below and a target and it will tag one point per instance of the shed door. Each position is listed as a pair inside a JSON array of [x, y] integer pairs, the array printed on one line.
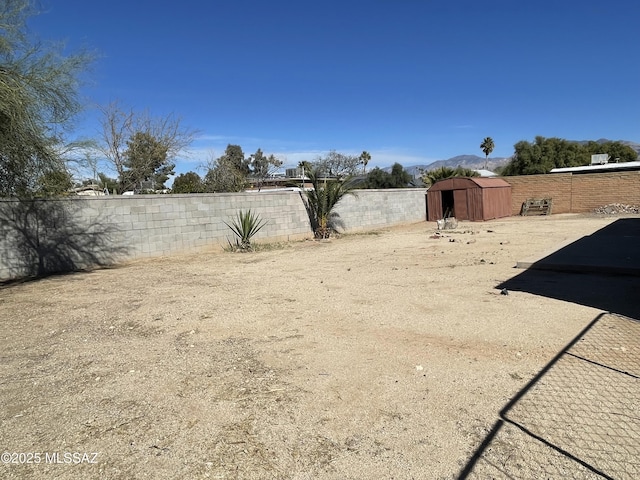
[[460, 204], [434, 206]]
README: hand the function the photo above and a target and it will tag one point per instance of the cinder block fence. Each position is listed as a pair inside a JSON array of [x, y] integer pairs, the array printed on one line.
[[576, 193], [41, 236]]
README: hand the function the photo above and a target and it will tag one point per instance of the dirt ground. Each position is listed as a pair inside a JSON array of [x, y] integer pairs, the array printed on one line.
[[385, 354]]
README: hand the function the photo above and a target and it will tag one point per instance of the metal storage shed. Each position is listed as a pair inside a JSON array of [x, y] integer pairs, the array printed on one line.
[[469, 199]]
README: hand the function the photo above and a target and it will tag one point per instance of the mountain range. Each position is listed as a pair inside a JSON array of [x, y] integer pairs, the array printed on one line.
[[475, 162], [472, 162]]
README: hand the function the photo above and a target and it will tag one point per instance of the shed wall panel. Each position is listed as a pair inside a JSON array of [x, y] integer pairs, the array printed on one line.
[[496, 203], [476, 205]]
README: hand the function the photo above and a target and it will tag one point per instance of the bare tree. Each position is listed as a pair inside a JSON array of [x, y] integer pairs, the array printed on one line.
[[120, 142], [335, 164], [117, 127]]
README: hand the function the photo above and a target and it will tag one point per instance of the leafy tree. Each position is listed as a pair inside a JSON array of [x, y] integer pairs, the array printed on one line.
[[432, 176], [108, 183], [234, 156], [139, 147], [262, 166], [487, 147], [54, 183], [189, 182], [337, 165], [146, 161], [616, 150], [365, 157], [499, 170], [526, 160], [322, 200], [222, 176], [229, 173], [545, 154], [39, 91], [378, 178], [398, 178]]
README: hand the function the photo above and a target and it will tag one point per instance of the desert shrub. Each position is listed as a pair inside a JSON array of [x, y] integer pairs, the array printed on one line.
[[244, 227]]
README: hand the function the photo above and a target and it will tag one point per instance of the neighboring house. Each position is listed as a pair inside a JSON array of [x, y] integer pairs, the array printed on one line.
[[486, 173], [90, 191], [600, 168]]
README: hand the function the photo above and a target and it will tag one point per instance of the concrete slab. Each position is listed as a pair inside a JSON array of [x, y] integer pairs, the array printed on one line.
[[614, 249], [575, 419]]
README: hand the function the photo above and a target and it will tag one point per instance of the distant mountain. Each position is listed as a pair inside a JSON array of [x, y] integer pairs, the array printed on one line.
[[473, 162], [634, 145]]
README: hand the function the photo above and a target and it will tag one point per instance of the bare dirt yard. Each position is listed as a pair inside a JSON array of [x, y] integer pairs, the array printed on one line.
[[385, 354]]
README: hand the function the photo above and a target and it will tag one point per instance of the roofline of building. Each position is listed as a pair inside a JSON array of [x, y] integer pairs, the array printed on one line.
[[606, 167]]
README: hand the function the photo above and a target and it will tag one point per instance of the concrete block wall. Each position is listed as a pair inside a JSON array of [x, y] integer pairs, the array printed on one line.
[[576, 193], [556, 186], [370, 209], [41, 236], [591, 191], [164, 224]]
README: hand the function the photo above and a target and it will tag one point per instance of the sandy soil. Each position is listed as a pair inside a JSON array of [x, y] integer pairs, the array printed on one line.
[[379, 355]]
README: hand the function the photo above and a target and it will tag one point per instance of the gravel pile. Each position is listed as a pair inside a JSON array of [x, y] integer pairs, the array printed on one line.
[[614, 208]]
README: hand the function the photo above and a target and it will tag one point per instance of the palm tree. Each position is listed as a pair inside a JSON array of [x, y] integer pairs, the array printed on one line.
[[305, 166], [364, 158], [487, 147], [432, 176], [321, 201]]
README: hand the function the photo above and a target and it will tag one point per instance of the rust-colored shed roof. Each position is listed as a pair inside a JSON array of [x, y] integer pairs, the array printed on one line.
[[461, 183]]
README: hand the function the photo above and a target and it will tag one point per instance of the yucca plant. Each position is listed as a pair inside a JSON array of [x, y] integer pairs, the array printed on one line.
[[321, 201], [244, 226]]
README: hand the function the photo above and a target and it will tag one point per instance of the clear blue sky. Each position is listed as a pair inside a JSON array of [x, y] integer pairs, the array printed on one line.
[[412, 81]]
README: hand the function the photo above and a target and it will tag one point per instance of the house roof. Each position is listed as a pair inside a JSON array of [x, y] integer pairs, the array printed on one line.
[[607, 167], [486, 173]]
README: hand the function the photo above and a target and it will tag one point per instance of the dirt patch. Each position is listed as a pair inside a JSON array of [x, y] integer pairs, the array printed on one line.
[[369, 356]]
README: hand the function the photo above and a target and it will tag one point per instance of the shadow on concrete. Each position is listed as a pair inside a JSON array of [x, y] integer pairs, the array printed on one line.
[[611, 250], [44, 237], [577, 418], [599, 270]]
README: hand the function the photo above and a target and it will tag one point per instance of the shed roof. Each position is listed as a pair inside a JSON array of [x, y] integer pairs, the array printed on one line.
[[461, 183]]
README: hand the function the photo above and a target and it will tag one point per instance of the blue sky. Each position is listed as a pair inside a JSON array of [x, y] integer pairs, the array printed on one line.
[[412, 81]]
